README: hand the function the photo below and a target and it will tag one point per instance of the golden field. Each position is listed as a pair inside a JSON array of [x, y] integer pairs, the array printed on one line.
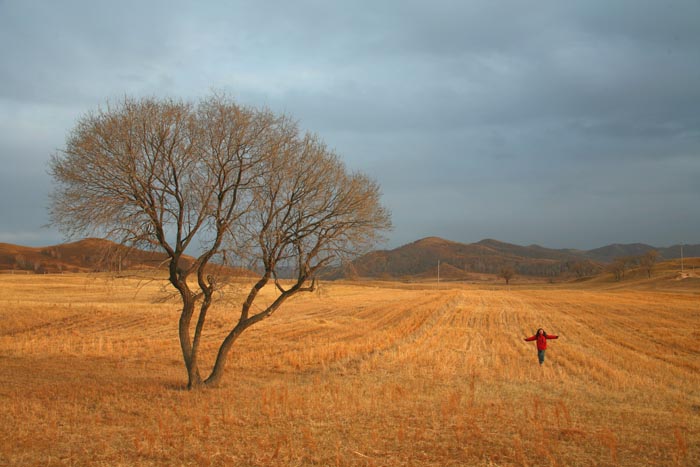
[[354, 374]]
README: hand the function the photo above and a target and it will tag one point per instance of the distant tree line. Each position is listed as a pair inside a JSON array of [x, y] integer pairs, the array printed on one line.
[[399, 265], [622, 264]]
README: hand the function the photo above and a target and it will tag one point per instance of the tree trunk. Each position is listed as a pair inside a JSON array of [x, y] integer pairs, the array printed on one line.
[[219, 366], [218, 371], [188, 354], [193, 379]]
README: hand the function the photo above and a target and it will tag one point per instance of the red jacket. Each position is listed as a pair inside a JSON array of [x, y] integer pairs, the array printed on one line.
[[542, 340]]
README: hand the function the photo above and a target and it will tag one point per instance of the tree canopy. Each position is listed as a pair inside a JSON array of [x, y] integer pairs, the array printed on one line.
[[220, 180]]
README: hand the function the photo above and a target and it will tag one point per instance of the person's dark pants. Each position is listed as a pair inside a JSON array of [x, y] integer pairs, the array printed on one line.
[[540, 356]]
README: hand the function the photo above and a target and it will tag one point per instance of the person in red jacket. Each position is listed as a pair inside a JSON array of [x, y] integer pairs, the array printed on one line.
[[541, 338]]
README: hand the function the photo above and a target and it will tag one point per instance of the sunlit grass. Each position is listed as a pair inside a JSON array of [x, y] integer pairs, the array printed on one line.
[[356, 374]]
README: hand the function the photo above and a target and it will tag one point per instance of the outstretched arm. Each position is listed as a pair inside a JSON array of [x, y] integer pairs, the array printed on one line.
[[551, 336], [531, 338]]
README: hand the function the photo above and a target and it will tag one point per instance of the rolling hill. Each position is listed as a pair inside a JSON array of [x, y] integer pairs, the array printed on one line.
[[458, 261], [420, 258], [608, 253], [487, 256], [87, 255], [668, 276]]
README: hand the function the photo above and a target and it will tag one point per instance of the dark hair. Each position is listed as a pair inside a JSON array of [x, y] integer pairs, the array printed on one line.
[[544, 333]]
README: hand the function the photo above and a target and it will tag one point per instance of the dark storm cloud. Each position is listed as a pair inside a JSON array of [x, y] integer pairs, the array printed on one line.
[[572, 124]]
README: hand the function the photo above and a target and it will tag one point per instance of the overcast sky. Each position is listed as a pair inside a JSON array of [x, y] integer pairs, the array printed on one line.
[[569, 124]]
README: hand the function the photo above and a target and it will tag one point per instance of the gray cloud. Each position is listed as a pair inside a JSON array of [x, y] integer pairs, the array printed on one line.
[[573, 124]]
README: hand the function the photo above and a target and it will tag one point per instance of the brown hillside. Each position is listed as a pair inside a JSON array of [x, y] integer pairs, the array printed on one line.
[[665, 276], [447, 272], [608, 253], [27, 259], [488, 256], [532, 251], [88, 255]]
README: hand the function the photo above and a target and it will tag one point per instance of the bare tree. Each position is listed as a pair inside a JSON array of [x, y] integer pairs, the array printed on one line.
[[583, 268], [223, 180], [618, 267], [647, 261], [507, 273]]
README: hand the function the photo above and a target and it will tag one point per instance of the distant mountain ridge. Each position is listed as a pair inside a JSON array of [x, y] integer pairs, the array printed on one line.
[[491, 256], [416, 259]]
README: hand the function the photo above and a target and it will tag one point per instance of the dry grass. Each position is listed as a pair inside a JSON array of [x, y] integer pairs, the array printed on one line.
[[353, 375]]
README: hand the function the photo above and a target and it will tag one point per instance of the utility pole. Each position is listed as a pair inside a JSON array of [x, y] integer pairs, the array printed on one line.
[[681, 258]]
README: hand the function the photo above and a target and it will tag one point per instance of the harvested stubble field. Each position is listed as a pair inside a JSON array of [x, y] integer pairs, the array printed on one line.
[[356, 374]]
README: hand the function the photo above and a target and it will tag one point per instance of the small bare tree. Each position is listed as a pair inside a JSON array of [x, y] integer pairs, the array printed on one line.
[[223, 180], [647, 261], [618, 268], [507, 273]]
